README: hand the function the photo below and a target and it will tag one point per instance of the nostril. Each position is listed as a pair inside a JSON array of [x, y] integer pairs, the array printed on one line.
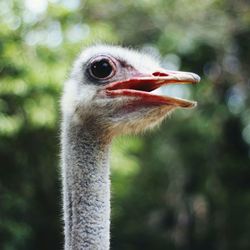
[[158, 73]]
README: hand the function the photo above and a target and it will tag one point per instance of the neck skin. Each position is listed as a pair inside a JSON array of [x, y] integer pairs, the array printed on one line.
[[86, 188]]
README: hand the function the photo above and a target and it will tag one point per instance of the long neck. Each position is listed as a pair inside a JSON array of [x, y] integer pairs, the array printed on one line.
[[86, 189]]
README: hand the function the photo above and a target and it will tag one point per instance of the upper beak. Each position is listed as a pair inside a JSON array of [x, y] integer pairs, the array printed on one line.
[[140, 86]]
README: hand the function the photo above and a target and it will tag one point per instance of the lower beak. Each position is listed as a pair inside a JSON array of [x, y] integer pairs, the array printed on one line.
[[141, 86]]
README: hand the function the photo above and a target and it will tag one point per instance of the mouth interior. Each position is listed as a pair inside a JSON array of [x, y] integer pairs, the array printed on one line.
[[170, 90], [143, 86]]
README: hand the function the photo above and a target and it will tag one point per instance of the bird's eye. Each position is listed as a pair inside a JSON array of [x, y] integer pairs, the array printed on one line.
[[102, 68]]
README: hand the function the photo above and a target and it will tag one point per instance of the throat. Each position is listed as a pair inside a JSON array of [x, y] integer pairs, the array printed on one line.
[[86, 189]]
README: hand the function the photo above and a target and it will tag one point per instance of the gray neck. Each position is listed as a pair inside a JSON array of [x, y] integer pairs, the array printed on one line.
[[86, 189]]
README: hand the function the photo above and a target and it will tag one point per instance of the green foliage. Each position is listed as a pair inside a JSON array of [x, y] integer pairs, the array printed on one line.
[[183, 186]]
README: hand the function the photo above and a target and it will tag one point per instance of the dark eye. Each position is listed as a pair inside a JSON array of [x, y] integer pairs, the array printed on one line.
[[102, 68]]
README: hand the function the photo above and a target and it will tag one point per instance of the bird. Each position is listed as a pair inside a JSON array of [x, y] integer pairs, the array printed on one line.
[[108, 93]]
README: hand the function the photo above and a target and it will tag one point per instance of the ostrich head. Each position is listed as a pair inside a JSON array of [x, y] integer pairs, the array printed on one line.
[[110, 89]]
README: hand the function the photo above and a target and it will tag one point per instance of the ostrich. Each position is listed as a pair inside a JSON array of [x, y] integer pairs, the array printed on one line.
[[107, 94]]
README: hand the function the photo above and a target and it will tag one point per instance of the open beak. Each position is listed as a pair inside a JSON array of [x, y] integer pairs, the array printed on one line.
[[141, 86]]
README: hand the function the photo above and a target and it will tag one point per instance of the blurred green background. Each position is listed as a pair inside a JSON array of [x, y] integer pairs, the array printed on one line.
[[183, 186]]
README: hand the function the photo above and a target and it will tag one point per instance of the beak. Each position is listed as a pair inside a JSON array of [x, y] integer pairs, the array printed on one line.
[[140, 87]]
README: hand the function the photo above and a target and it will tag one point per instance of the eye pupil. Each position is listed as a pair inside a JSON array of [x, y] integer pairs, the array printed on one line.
[[101, 69]]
